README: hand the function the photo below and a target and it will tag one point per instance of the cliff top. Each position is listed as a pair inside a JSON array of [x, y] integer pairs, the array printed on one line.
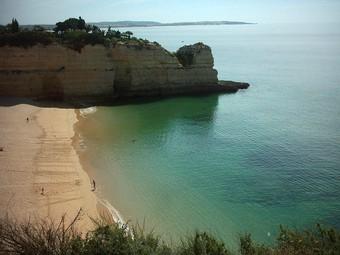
[[73, 33]]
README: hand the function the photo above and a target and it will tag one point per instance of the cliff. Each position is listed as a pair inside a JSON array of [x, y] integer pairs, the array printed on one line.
[[122, 70], [56, 72]]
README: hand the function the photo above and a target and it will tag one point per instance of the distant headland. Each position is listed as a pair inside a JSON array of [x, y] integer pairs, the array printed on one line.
[[159, 24], [130, 23]]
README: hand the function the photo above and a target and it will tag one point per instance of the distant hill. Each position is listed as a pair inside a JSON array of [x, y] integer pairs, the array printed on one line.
[[127, 24], [159, 24], [117, 24]]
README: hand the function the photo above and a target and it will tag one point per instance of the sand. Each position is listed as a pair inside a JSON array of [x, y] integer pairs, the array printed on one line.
[[40, 172]]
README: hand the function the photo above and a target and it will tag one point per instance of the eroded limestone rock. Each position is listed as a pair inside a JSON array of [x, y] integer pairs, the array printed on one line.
[[123, 70]]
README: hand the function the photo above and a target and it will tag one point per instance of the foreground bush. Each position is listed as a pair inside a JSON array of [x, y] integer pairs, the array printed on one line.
[[42, 237], [46, 237]]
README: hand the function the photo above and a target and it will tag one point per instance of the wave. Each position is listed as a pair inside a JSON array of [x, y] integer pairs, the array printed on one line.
[[86, 111], [116, 216]]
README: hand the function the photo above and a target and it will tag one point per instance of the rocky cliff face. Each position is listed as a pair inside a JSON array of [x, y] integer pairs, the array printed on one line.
[[152, 70], [123, 70], [56, 72]]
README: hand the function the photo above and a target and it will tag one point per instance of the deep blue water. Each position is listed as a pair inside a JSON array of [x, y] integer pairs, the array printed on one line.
[[249, 161]]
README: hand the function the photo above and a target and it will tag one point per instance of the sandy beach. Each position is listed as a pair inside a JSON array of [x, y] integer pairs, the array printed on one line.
[[41, 175]]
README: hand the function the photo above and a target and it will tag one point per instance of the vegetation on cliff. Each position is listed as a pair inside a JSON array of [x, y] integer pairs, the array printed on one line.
[[13, 36], [46, 237], [73, 33]]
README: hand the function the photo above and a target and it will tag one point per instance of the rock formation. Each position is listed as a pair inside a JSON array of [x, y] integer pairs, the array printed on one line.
[[123, 70], [55, 72]]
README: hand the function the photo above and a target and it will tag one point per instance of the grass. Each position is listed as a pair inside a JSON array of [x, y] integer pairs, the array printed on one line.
[[46, 237]]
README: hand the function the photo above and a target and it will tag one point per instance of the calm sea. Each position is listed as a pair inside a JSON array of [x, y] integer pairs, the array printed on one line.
[[230, 164]]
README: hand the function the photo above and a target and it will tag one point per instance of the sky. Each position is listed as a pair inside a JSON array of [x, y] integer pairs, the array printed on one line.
[[258, 11]]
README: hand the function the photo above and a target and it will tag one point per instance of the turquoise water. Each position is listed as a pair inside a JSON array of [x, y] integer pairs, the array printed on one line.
[[230, 163]]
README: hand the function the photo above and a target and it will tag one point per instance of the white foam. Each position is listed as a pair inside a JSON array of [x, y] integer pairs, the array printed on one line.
[[81, 143], [86, 111], [116, 216]]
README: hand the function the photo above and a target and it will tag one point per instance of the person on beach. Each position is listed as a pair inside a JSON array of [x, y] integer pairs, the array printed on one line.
[[42, 191], [94, 185], [27, 119]]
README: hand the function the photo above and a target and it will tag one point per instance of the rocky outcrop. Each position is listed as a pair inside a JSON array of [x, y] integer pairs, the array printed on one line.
[[152, 70], [123, 70], [197, 55]]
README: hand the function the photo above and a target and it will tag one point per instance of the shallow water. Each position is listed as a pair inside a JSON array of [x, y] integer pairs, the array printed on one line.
[[230, 163]]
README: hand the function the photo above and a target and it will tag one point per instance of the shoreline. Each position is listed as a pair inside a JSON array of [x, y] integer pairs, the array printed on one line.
[[42, 177], [105, 209]]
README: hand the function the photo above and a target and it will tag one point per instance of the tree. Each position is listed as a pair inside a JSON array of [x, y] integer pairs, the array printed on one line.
[[70, 24], [118, 34], [14, 26], [127, 35], [81, 23], [3, 29], [113, 34]]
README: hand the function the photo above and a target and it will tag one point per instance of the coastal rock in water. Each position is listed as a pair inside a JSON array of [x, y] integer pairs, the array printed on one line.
[[124, 70], [237, 85]]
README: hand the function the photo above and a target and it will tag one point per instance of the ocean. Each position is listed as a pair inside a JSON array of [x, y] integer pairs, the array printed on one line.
[[235, 163]]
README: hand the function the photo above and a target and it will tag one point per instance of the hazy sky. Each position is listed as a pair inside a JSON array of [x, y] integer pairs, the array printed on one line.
[[261, 11]]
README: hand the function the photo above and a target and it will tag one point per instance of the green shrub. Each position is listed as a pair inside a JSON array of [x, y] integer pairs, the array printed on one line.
[[316, 241], [113, 34], [26, 38], [45, 237], [38, 238], [78, 39], [202, 243], [247, 247]]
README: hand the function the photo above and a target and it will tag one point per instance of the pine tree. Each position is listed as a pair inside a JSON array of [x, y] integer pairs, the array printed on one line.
[[14, 26]]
